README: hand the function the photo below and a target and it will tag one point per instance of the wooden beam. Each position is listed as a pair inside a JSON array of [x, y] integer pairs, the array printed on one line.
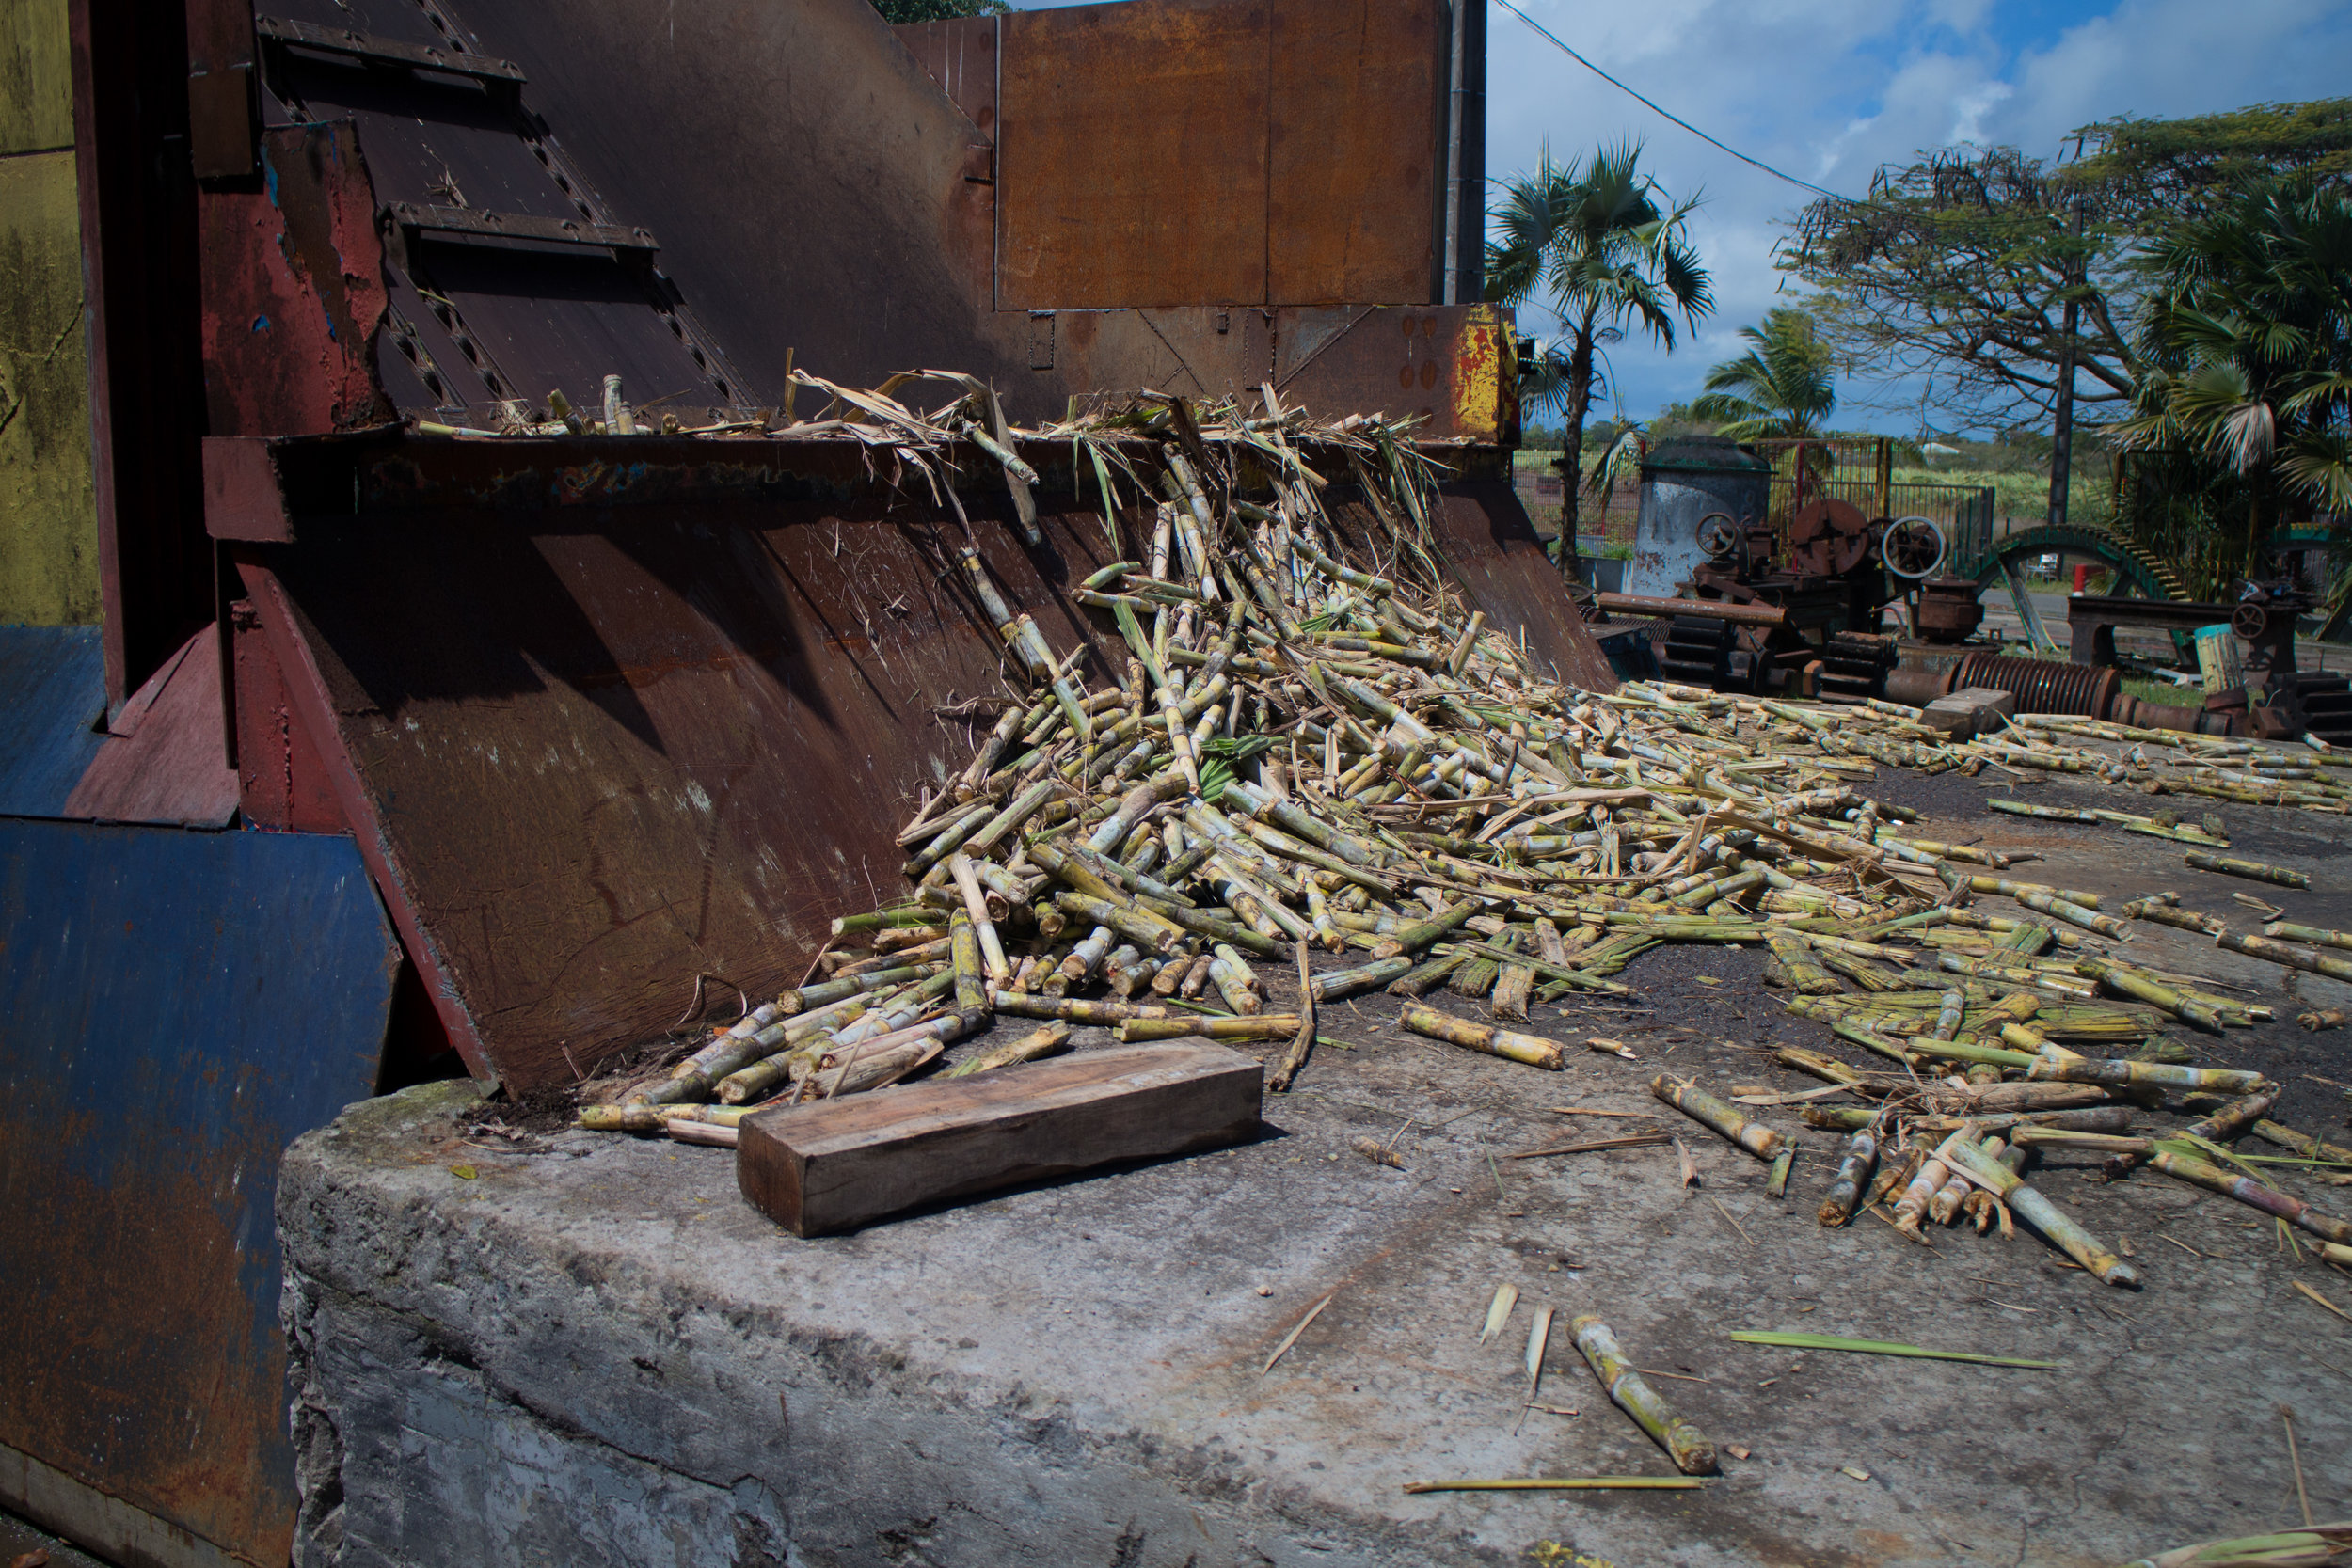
[[840, 1163]]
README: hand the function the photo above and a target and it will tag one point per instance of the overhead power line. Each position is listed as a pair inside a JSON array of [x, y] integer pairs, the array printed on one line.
[[1655, 108]]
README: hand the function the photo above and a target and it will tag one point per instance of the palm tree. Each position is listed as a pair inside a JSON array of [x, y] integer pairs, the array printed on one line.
[[1612, 251], [2247, 347], [1780, 387]]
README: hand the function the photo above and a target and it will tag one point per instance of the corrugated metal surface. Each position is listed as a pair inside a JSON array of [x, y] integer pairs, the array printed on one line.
[[53, 696], [153, 981]]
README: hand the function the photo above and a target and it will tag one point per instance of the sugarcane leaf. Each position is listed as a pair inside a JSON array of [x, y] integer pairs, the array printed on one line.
[[1880, 1347]]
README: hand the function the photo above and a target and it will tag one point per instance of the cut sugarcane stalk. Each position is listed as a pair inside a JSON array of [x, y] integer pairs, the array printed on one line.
[[1070, 1009], [992, 950], [2280, 953], [2227, 1125], [2178, 918], [1682, 1440], [2188, 1169], [2038, 1212], [1031, 1047], [2277, 875], [2287, 1137], [2071, 913], [2146, 988], [1717, 1116], [2166, 1075], [971, 981], [1531, 1049], [1353, 982], [1854, 1168], [1911, 1208], [1264, 1026], [1947, 1017], [2314, 935]]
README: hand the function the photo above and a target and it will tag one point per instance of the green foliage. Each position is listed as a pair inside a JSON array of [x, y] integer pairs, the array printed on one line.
[[898, 11], [1958, 269], [1780, 387], [2167, 170], [1957, 273], [1612, 251], [2243, 413]]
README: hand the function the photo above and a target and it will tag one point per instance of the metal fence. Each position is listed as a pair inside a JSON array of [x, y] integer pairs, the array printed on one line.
[[1964, 512]]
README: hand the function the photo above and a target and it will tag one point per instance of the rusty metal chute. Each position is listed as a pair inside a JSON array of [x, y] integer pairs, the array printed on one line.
[[593, 714]]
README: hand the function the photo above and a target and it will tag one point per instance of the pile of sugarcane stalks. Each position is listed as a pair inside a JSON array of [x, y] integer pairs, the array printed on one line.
[[1302, 747]]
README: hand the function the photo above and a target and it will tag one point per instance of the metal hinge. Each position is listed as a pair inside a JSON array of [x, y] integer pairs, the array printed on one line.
[[474, 222], [374, 49]]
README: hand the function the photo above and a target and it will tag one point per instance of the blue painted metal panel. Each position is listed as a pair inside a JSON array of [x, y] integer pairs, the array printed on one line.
[[53, 691], [175, 1008]]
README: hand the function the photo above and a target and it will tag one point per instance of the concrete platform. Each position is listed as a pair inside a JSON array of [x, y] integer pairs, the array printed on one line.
[[597, 1353]]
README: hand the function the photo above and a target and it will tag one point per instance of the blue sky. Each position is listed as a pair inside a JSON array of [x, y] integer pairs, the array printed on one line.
[[1829, 89]]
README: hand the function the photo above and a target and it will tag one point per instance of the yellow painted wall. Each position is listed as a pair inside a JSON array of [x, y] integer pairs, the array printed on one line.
[[36, 77], [48, 517]]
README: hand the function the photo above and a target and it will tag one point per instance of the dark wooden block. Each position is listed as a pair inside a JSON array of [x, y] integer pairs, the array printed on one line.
[[819, 1168]]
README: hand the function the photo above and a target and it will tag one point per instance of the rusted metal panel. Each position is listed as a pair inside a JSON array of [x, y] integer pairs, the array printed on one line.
[[1452, 365], [1197, 352], [166, 757], [1161, 152], [150, 980], [1356, 124], [295, 291], [223, 103], [628, 742], [283, 783], [1491, 549], [816, 193], [960, 54], [1131, 154], [483, 316]]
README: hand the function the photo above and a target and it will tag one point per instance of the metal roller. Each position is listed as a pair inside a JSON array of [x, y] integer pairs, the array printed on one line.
[[2042, 686]]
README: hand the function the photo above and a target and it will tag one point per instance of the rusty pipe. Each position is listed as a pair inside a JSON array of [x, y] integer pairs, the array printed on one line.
[[1713, 609]]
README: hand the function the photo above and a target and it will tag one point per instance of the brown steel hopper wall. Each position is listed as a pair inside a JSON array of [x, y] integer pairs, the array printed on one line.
[[609, 713]]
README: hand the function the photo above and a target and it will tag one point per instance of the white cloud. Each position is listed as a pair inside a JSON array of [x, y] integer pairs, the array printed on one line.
[[1829, 89]]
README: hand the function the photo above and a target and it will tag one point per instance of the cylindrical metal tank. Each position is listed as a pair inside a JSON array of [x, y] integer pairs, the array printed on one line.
[[1683, 482]]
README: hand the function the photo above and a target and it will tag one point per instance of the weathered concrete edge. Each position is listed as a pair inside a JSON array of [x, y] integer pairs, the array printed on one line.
[[868, 1452], [119, 1531]]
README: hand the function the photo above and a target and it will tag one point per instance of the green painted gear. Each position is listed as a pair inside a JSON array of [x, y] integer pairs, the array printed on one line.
[[2132, 562]]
